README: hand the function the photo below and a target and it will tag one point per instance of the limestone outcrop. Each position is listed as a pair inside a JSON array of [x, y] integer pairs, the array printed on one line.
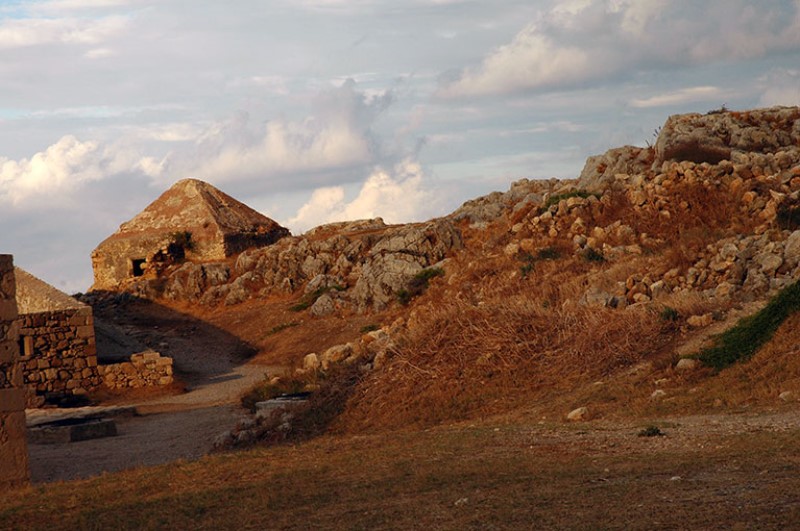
[[361, 266]]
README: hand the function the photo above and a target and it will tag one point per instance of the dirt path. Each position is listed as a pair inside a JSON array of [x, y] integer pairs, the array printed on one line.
[[210, 362]]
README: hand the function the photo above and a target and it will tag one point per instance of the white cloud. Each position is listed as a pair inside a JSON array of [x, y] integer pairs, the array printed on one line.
[[396, 197], [70, 5], [99, 53], [20, 33], [63, 168], [337, 135], [780, 87], [584, 40], [680, 97]]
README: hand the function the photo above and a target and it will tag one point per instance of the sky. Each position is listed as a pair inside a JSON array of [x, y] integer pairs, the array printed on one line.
[[313, 111]]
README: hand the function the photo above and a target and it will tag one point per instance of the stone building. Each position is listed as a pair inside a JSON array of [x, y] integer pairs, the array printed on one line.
[[56, 342], [13, 445], [191, 220]]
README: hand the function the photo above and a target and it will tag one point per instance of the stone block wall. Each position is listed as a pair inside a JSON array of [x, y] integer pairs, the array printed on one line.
[[58, 355], [145, 369], [13, 445]]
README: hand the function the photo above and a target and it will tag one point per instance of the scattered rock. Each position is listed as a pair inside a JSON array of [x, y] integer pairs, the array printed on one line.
[[700, 321], [581, 413], [787, 396], [323, 306], [311, 362], [687, 364]]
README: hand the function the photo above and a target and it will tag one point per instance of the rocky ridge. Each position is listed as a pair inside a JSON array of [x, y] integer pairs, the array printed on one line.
[[627, 202]]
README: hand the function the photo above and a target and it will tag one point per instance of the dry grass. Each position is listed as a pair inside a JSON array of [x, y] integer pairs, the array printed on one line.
[[499, 345], [495, 476]]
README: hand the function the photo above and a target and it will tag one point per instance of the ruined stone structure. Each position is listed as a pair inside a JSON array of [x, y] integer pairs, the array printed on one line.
[[145, 369], [13, 445], [191, 220], [56, 342]]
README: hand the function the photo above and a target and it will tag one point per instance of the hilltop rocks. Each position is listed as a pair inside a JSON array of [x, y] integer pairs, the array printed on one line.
[[600, 171], [713, 137]]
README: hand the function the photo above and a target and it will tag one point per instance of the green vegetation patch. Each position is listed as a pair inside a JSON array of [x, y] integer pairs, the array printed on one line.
[[669, 314], [593, 255], [528, 259], [182, 239], [788, 215], [556, 199], [740, 342], [651, 431], [418, 284]]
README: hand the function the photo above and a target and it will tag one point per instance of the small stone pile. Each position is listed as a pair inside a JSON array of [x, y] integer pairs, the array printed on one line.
[[145, 369], [371, 351]]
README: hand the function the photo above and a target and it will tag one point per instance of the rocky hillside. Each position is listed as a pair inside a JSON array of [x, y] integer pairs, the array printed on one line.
[[548, 287]]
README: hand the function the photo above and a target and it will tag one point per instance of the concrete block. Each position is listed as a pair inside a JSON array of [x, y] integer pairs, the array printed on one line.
[[72, 430]]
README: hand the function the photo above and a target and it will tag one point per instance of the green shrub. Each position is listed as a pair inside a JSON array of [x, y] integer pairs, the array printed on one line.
[[788, 215], [182, 239], [740, 342], [669, 314], [556, 199], [548, 253], [651, 431], [418, 284], [593, 255]]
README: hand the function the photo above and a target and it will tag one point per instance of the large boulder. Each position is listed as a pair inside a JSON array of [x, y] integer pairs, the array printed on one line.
[[712, 137]]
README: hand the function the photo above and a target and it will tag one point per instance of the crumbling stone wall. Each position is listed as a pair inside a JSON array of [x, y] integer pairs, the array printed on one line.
[[58, 354], [13, 445], [143, 370]]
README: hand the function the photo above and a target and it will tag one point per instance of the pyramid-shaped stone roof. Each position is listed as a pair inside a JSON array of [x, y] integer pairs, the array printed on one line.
[[193, 203]]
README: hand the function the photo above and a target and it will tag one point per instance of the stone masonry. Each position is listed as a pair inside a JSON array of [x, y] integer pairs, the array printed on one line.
[[144, 370], [56, 341], [13, 445]]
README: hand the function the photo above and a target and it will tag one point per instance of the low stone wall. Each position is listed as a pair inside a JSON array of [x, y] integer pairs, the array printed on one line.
[[144, 370], [13, 446], [58, 354]]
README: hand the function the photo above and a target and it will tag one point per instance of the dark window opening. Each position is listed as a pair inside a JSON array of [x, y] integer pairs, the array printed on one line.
[[137, 267], [26, 346]]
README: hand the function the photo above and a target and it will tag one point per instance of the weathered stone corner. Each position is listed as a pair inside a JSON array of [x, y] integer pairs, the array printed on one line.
[[13, 446]]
